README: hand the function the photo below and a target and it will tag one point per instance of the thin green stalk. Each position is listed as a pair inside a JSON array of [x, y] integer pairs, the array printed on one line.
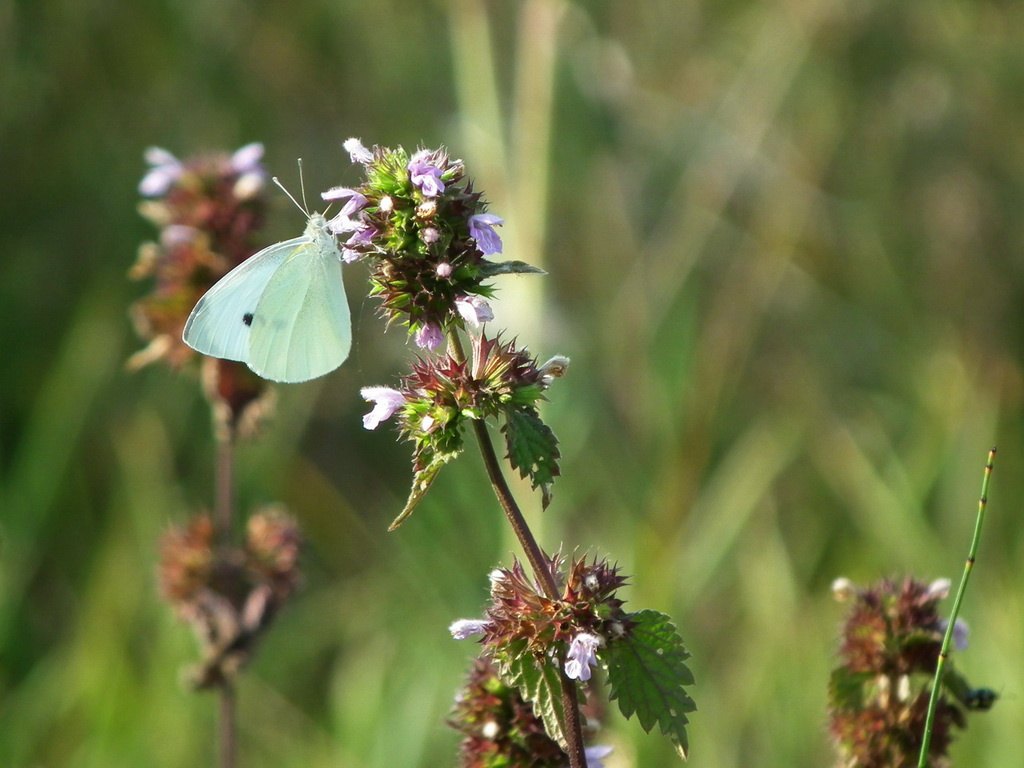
[[922, 761]]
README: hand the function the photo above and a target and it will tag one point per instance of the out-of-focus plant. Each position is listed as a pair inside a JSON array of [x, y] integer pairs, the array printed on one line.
[[879, 694], [209, 210]]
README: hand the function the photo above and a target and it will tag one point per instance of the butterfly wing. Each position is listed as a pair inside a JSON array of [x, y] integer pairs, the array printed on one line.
[[301, 328], [220, 323]]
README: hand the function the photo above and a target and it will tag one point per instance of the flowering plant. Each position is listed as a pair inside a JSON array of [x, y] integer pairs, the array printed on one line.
[[425, 234], [209, 210]]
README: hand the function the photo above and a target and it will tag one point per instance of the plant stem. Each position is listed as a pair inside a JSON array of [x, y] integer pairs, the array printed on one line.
[[224, 511], [542, 569], [227, 725], [541, 564], [538, 560], [224, 506], [922, 760]]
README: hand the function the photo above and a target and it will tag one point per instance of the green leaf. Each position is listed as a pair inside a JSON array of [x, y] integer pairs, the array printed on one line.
[[421, 482], [490, 268], [647, 674], [432, 452], [532, 447], [538, 682]]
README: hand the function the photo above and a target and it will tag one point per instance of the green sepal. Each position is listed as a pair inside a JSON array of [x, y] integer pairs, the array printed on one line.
[[491, 268], [532, 447], [647, 674]]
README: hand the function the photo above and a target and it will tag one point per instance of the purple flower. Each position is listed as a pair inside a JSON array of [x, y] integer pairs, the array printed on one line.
[[174, 235], [357, 151], [166, 170], [582, 656], [356, 201], [247, 159], [960, 632], [362, 235], [252, 178], [474, 310], [341, 224], [429, 336], [425, 176], [595, 755], [385, 402], [464, 628], [481, 229]]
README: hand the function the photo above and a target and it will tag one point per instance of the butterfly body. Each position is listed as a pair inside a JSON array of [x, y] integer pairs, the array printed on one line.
[[283, 312]]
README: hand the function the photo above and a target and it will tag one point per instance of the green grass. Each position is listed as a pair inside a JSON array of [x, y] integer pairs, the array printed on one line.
[[784, 244]]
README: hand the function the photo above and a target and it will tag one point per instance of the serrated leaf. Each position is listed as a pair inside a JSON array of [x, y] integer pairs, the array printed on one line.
[[539, 683], [432, 452], [647, 673], [421, 482], [532, 446], [491, 268]]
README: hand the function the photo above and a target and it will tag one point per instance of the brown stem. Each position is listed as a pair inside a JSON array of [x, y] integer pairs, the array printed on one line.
[[541, 564], [227, 725], [573, 724], [224, 511], [225, 489]]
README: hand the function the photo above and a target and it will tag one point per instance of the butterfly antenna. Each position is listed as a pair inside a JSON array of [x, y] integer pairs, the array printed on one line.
[[291, 197], [302, 188]]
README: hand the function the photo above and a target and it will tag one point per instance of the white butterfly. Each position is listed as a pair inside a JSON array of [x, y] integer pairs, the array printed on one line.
[[283, 312]]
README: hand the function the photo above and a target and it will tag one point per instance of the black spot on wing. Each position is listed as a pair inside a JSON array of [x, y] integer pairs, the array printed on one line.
[[247, 318]]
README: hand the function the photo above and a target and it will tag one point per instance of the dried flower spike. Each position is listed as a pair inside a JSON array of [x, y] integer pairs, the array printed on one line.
[[878, 696]]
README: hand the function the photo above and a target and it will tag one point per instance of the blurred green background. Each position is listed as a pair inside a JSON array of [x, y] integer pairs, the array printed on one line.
[[785, 251]]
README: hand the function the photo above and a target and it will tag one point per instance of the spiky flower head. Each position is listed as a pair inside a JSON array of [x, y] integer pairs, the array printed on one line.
[[500, 728], [879, 694], [272, 546], [228, 594], [208, 209], [894, 628], [434, 401], [573, 627], [424, 232], [589, 604]]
